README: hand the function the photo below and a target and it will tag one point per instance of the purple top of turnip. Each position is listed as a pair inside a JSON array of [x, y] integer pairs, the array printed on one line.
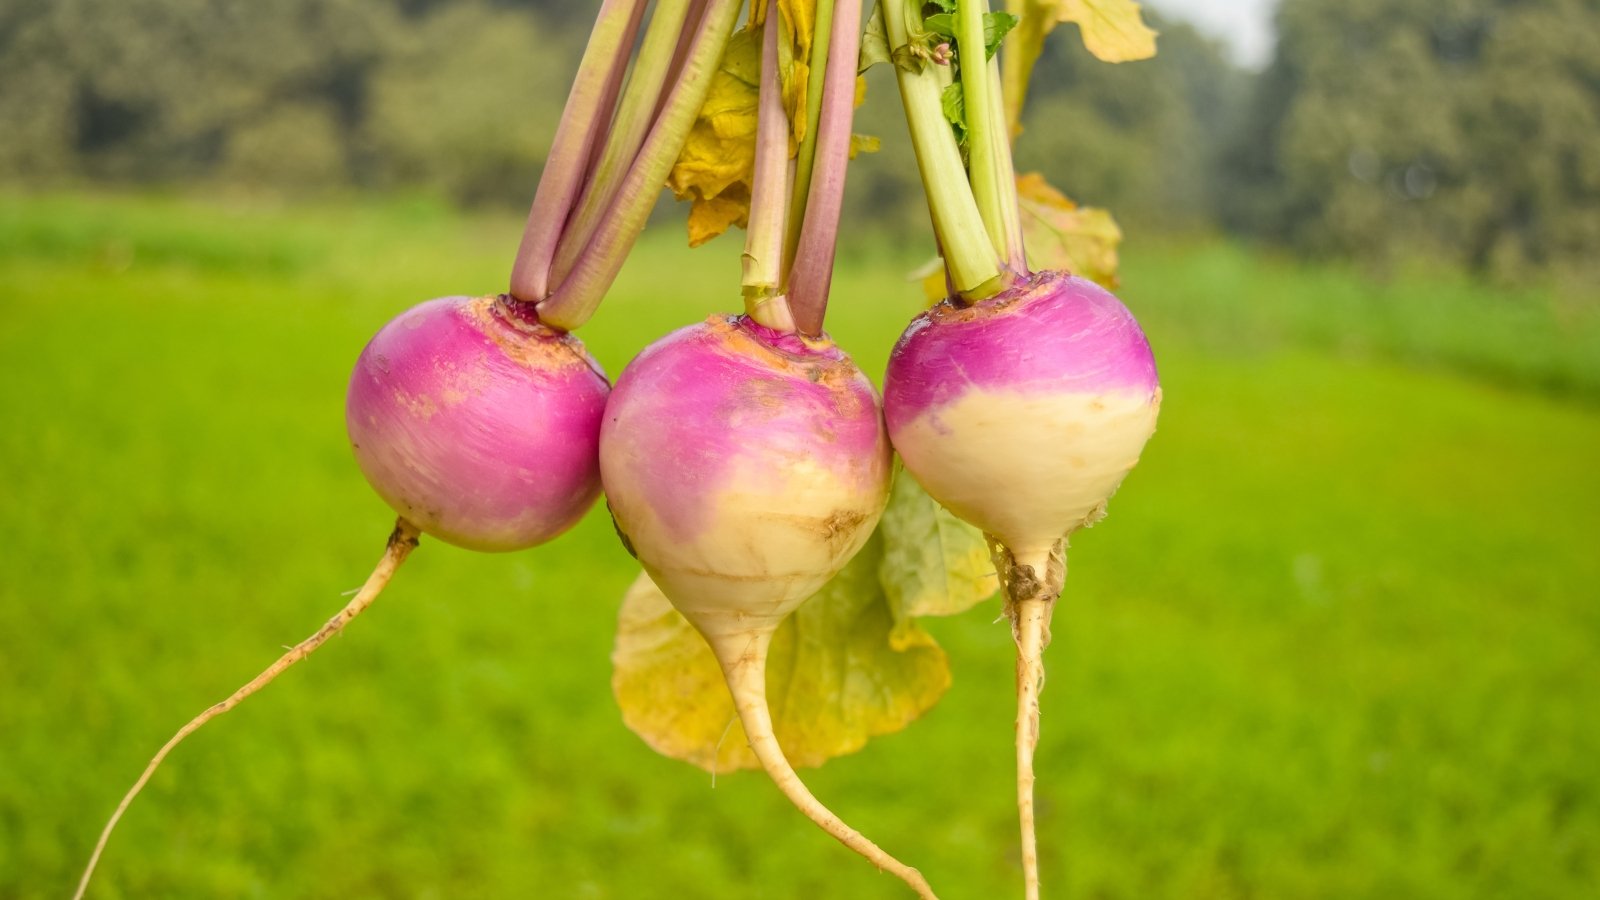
[[1052, 332], [477, 425]]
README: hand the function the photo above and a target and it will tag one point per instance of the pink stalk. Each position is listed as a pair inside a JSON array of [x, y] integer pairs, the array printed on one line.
[[813, 263], [646, 85], [608, 104], [581, 292], [691, 26], [769, 193], [585, 118]]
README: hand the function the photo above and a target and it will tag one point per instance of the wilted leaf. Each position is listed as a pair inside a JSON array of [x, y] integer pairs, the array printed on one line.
[[709, 218], [1060, 234], [1112, 30], [933, 278], [799, 21], [841, 671], [717, 164], [933, 563], [720, 151], [864, 143]]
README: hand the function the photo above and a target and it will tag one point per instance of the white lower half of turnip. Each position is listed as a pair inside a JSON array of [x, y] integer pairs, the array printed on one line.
[[744, 467]]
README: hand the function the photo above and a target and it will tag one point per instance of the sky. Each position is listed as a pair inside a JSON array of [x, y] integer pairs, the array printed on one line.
[[1245, 25]]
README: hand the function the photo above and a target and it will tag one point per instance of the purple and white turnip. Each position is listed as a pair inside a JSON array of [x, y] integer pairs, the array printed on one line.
[[1022, 401], [745, 459]]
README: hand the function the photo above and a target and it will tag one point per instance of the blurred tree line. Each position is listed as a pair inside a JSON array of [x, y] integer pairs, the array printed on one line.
[[1467, 130]]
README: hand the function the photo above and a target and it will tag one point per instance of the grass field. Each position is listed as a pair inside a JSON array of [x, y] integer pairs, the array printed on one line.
[[1340, 637]]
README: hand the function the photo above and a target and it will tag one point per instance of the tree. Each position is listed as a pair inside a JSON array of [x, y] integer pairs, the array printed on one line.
[[1467, 130]]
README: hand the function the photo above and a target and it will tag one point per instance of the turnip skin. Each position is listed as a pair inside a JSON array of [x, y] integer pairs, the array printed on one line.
[[477, 424], [1022, 413], [745, 466]]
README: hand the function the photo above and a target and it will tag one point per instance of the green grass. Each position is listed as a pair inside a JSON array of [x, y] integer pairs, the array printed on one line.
[[1339, 638]]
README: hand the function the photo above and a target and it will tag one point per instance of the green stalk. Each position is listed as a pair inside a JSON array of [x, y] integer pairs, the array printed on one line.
[[806, 154], [764, 239], [982, 128], [583, 120], [1011, 244], [645, 86], [971, 259], [596, 267]]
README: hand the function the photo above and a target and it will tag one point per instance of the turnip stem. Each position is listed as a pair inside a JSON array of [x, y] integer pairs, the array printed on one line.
[[597, 266], [812, 274], [1032, 583], [401, 542], [971, 259], [806, 154], [764, 241], [743, 658], [983, 128], [1010, 209], [585, 117], [691, 27], [646, 84]]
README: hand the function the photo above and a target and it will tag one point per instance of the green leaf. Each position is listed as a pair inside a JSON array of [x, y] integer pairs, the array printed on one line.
[[933, 563], [874, 42], [942, 24], [842, 670], [995, 27], [953, 103]]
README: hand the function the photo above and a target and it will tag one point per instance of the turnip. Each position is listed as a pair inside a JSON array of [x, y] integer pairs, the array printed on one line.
[[1022, 401], [478, 419], [745, 459]]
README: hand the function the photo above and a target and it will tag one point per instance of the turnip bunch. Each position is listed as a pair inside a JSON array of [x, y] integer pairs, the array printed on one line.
[[745, 459], [478, 418], [1022, 400]]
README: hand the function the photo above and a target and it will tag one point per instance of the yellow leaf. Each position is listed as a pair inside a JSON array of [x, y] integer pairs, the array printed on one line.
[[799, 20], [864, 143], [931, 275], [1060, 234], [709, 218], [842, 670], [718, 158], [1113, 30]]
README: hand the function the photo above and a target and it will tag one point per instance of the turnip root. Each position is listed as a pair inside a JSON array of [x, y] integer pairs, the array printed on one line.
[[744, 467]]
